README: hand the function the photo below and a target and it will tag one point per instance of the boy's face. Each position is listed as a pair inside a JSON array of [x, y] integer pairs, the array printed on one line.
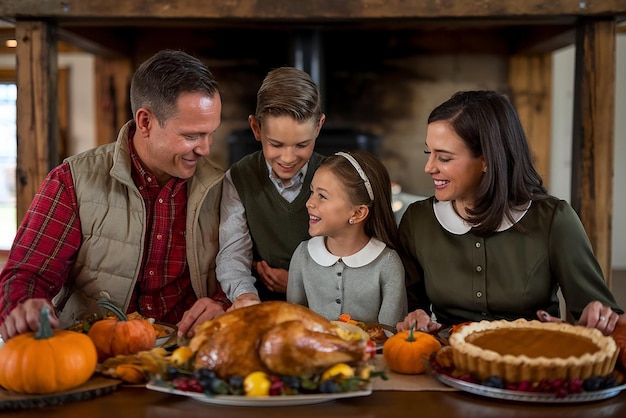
[[287, 144]]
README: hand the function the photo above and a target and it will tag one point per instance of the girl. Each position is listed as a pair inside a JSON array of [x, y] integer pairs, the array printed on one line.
[[350, 265]]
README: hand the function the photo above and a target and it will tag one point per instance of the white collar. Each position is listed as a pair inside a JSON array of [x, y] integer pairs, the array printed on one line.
[[323, 257], [453, 223]]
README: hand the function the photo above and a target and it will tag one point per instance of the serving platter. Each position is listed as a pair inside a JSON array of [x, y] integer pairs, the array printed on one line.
[[94, 387], [236, 400], [533, 397]]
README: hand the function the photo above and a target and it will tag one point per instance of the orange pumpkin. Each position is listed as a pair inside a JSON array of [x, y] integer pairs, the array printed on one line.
[[619, 335], [114, 336], [47, 361], [405, 351]]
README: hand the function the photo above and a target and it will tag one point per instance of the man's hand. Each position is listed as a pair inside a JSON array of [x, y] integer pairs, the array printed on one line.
[[25, 318], [274, 279], [243, 300], [203, 310]]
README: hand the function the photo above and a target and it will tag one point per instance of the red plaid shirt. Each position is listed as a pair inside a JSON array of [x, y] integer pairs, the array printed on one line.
[[49, 237]]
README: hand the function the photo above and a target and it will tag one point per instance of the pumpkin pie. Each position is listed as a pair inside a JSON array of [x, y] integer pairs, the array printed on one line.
[[523, 350]]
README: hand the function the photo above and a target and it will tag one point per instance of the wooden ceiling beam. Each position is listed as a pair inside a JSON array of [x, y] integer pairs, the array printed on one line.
[[319, 9]]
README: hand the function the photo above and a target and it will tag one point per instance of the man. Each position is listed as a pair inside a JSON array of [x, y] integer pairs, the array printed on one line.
[[135, 221]]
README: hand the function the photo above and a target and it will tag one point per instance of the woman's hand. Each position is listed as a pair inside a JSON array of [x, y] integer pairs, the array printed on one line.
[[595, 315], [421, 320]]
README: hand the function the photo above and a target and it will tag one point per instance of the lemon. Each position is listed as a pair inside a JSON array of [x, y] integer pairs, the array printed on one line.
[[257, 384], [366, 372], [180, 356], [339, 370]]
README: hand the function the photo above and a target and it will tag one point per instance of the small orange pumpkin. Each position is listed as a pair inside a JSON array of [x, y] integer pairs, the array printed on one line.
[[113, 336], [46, 361], [619, 335], [405, 351]]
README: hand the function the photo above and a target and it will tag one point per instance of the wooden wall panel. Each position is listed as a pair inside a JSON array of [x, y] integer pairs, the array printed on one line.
[[37, 124], [530, 81], [112, 80], [593, 142]]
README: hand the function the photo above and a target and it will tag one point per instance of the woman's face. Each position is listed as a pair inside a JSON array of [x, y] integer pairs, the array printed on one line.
[[456, 173]]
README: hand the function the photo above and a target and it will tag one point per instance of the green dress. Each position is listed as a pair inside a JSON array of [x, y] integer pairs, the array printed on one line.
[[460, 276]]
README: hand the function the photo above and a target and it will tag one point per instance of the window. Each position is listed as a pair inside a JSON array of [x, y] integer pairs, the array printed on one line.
[[8, 158]]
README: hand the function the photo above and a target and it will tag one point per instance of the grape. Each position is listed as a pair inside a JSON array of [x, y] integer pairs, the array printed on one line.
[[561, 392], [329, 386], [235, 381], [171, 372], [525, 386], [219, 386], [204, 373], [609, 382], [593, 383], [493, 382], [575, 386], [276, 387], [292, 382], [180, 383]]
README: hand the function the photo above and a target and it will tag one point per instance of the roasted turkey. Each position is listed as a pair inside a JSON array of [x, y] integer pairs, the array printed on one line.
[[275, 337]]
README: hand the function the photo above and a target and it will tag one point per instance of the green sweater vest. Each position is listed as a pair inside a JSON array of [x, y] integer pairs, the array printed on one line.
[[276, 225]]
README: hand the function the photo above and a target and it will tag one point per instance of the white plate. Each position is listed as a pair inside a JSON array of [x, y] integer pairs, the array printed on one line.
[[514, 395], [287, 400], [162, 340], [360, 331], [353, 329], [379, 345]]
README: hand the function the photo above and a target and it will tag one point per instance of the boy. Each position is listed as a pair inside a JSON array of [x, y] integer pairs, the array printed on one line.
[[263, 214]]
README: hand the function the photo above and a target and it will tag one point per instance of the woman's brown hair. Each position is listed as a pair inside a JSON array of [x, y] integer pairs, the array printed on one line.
[[490, 127]]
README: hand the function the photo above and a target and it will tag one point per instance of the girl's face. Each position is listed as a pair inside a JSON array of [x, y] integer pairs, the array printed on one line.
[[287, 143], [329, 207], [456, 173]]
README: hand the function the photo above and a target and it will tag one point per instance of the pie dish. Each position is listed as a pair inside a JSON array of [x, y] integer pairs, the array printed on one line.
[[524, 350]]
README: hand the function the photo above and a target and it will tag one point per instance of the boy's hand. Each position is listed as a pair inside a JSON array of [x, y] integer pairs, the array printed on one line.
[[243, 300], [274, 279]]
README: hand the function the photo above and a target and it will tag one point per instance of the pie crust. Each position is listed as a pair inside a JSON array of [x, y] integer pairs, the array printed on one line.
[[523, 350]]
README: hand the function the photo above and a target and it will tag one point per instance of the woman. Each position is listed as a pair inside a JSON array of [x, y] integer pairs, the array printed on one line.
[[491, 243]]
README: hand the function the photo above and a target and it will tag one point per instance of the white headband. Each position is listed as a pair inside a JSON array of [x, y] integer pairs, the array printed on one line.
[[359, 170]]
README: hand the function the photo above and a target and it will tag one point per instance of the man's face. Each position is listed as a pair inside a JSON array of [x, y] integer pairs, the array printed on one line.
[[175, 149]]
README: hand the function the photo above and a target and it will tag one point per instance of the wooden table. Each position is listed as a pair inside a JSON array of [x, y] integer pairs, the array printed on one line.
[[140, 402]]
